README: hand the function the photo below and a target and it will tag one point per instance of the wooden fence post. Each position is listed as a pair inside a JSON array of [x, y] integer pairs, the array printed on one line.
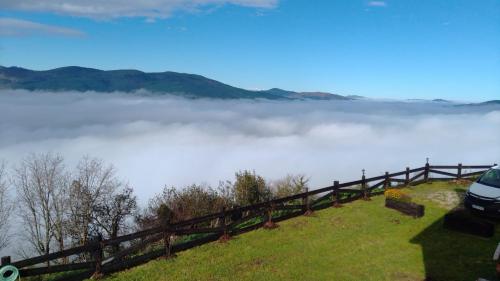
[[366, 196], [225, 233], [166, 236], [387, 181], [407, 176], [165, 216], [426, 171], [335, 195], [5, 261], [270, 224], [98, 256], [459, 171], [307, 204]]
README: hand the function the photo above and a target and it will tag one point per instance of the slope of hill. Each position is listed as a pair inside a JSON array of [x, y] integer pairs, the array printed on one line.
[[361, 241], [491, 103], [189, 85], [306, 95]]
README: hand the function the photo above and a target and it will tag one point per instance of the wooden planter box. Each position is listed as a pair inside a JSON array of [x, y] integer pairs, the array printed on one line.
[[410, 209]]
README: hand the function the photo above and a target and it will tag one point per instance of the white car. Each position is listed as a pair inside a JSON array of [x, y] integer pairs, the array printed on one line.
[[483, 196]]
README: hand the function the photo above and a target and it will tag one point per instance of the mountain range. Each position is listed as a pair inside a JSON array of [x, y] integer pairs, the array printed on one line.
[[82, 79], [75, 78]]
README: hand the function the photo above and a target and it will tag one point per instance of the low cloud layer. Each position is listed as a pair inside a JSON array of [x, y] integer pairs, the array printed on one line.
[[154, 140], [17, 27], [124, 8]]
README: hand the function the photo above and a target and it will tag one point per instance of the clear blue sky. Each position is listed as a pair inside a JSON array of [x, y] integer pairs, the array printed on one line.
[[391, 49]]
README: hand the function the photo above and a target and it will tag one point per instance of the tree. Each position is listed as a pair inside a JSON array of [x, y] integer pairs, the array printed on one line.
[[226, 195], [41, 182], [250, 188], [112, 215], [289, 185], [93, 185], [59, 210], [5, 208]]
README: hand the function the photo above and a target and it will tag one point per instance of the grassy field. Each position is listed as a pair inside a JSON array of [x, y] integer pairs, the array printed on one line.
[[361, 241]]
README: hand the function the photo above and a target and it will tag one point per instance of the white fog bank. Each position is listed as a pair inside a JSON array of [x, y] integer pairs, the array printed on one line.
[[155, 141]]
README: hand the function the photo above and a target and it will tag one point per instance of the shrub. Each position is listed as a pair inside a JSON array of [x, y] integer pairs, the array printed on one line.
[[397, 194], [250, 188], [189, 202]]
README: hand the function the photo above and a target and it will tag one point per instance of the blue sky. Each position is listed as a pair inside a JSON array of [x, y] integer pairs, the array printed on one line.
[[389, 49]]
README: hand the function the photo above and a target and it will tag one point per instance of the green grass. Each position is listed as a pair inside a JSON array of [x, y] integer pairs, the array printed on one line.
[[361, 241]]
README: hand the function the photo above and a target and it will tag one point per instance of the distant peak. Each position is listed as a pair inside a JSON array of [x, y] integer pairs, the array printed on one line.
[[440, 100], [73, 68], [277, 90]]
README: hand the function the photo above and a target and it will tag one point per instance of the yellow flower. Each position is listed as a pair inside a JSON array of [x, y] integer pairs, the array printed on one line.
[[396, 194]]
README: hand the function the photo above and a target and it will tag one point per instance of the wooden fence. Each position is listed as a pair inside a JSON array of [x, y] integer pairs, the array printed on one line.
[[95, 259]]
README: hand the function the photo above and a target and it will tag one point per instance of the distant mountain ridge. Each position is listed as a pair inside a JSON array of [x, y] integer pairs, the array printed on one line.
[[75, 78], [490, 103]]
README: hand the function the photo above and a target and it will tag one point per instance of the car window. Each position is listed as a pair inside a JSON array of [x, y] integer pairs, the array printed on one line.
[[491, 178]]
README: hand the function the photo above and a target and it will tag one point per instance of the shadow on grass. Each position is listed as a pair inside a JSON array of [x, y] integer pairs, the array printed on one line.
[[450, 255]]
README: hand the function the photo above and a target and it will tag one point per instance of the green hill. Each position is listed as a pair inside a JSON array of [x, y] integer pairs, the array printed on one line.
[[82, 79], [361, 241]]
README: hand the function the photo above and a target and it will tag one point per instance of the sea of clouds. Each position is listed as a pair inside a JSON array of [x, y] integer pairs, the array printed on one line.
[[164, 140]]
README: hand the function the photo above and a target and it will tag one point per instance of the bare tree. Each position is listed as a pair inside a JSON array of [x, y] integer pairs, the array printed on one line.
[[93, 185], [59, 210], [112, 216], [5, 208], [289, 185], [301, 182], [41, 182]]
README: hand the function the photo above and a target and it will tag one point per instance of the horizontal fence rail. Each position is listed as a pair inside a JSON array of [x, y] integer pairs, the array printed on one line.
[[169, 238]]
